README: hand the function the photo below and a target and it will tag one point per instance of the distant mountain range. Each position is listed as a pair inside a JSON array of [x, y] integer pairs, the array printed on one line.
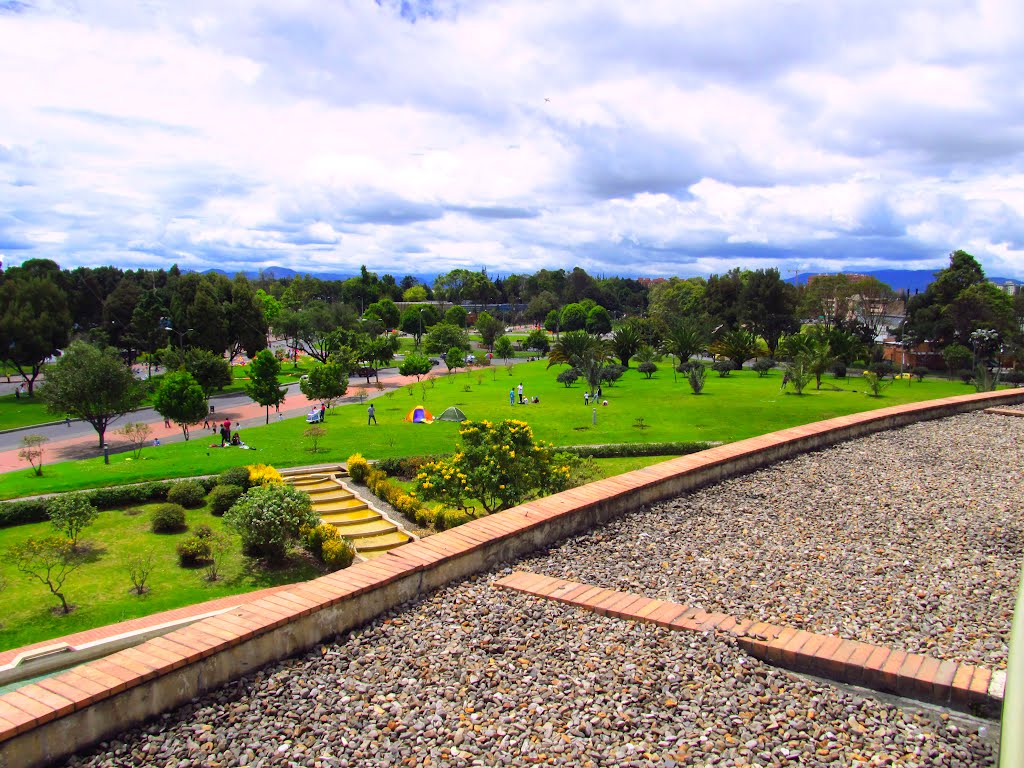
[[911, 280]]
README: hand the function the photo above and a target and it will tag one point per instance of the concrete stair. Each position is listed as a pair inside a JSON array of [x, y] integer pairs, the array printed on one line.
[[369, 531]]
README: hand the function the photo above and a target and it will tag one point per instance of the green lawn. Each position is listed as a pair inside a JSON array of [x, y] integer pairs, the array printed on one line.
[[739, 406], [100, 587]]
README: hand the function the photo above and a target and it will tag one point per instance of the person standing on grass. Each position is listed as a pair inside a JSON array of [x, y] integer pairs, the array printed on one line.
[[511, 397], [371, 415], [520, 391]]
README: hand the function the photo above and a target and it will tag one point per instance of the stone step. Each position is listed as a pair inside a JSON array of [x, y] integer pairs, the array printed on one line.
[[355, 516], [316, 486], [378, 545], [337, 493], [342, 505], [358, 531]]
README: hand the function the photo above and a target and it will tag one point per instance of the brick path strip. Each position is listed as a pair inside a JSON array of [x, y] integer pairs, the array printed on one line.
[[913, 675]]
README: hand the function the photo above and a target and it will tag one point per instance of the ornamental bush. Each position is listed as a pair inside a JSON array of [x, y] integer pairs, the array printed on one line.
[[762, 365], [499, 465], [724, 367], [235, 476], [188, 493], [268, 519], [264, 474], [168, 518], [193, 551], [338, 553], [222, 497], [315, 536], [358, 468]]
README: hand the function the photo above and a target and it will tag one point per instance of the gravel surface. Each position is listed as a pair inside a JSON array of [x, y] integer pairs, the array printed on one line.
[[481, 676], [910, 538]]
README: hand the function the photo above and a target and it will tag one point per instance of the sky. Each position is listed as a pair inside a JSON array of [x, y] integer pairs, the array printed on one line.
[[650, 138]]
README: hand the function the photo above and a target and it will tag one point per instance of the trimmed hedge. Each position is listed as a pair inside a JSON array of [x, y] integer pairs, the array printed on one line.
[[35, 510], [622, 450]]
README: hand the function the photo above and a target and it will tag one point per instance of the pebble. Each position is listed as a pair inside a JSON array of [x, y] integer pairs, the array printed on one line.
[[472, 675]]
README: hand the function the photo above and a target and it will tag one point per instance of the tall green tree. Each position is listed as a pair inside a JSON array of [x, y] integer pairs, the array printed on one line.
[[93, 384], [247, 327], [722, 295], [675, 298], [489, 328], [625, 342], [443, 337], [327, 382], [181, 399], [34, 323], [262, 386], [587, 354], [210, 370], [768, 306], [415, 364]]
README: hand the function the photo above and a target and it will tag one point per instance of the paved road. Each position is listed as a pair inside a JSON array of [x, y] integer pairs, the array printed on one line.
[[80, 440]]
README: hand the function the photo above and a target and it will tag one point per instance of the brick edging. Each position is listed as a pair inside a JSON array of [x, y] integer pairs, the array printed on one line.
[[953, 684], [46, 721]]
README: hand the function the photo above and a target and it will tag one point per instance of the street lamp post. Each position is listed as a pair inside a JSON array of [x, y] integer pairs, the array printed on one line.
[[419, 338], [181, 334]]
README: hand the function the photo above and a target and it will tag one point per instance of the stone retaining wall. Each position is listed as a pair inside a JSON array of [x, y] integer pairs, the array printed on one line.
[[45, 721]]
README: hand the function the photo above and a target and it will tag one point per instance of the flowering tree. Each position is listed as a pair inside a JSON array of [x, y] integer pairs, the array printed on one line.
[[499, 466]]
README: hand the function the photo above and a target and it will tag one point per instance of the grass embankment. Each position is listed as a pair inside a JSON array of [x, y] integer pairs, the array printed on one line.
[[100, 587], [733, 408]]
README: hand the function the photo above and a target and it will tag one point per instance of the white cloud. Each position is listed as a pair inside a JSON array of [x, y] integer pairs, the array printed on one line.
[[630, 138]]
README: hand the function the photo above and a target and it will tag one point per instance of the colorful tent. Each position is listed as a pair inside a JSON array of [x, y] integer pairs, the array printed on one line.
[[452, 414], [420, 415]]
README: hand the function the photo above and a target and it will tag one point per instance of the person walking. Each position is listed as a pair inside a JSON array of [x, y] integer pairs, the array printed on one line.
[[371, 415]]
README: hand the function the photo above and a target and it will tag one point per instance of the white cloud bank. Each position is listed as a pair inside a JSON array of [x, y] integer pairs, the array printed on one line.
[[629, 138]]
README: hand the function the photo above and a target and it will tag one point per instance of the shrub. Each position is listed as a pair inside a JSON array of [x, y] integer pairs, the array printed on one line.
[[314, 537], [375, 478], [25, 511], [763, 365], [622, 450], [268, 519], [264, 474], [1010, 377], [426, 516], [203, 531], [647, 369], [222, 497], [882, 369], [568, 377], [448, 518], [696, 376], [724, 367], [358, 468], [188, 493], [965, 375], [405, 467], [612, 373], [193, 551], [70, 514], [235, 476], [168, 518], [839, 370], [920, 372], [407, 504], [338, 553]]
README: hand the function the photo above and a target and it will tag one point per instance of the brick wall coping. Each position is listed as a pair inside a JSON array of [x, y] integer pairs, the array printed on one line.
[[52, 718]]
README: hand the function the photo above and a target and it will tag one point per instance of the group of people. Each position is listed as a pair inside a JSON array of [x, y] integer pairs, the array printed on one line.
[[523, 399], [596, 397], [316, 415]]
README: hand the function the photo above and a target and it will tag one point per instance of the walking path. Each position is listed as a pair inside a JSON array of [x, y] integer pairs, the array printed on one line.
[[244, 414]]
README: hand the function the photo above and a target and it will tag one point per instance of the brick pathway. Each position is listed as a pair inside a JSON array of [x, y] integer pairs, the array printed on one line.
[[913, 675]]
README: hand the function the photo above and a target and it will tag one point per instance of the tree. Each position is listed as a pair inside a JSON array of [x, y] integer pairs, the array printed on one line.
[[247, 326], [737, 345], [676, 298], [387, 311], [180, 398], [456, 315], [537, 340], [584, 352], [137, 434], [931, 316], [268, 519], [768, 306], [454, 358], [874, 304], [599, 322], [416, 365], [314, 434], [70, 514], [573, 317], [503, 348], [956, 357], [93, 384], [416, 320], [327, 382], [443, 337], [489, 328], [32, 451], [499, 465], [211, 371], [139, 565], [625, 342], [826, 300], [552, 322], [722, 295], [685, 338], [34, 323], [50, 560], [568, 377], [415, 293], [262, 386]]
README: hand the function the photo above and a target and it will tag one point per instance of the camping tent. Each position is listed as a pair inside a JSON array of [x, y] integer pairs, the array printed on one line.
[[419, 415], [452, 414]]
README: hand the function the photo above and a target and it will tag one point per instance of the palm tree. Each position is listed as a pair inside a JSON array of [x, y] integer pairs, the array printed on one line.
[[626, 341], [738, 345], [685, 338], [584, 352]]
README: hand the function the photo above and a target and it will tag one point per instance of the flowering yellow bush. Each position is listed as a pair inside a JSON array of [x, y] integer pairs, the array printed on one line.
[[264, 474], [358, 468]]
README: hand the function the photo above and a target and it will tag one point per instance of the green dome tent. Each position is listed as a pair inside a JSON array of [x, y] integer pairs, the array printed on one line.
[[452, 414]]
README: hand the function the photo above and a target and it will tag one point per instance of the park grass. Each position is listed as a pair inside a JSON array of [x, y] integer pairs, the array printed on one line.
[[100, 587], [739, 406]]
